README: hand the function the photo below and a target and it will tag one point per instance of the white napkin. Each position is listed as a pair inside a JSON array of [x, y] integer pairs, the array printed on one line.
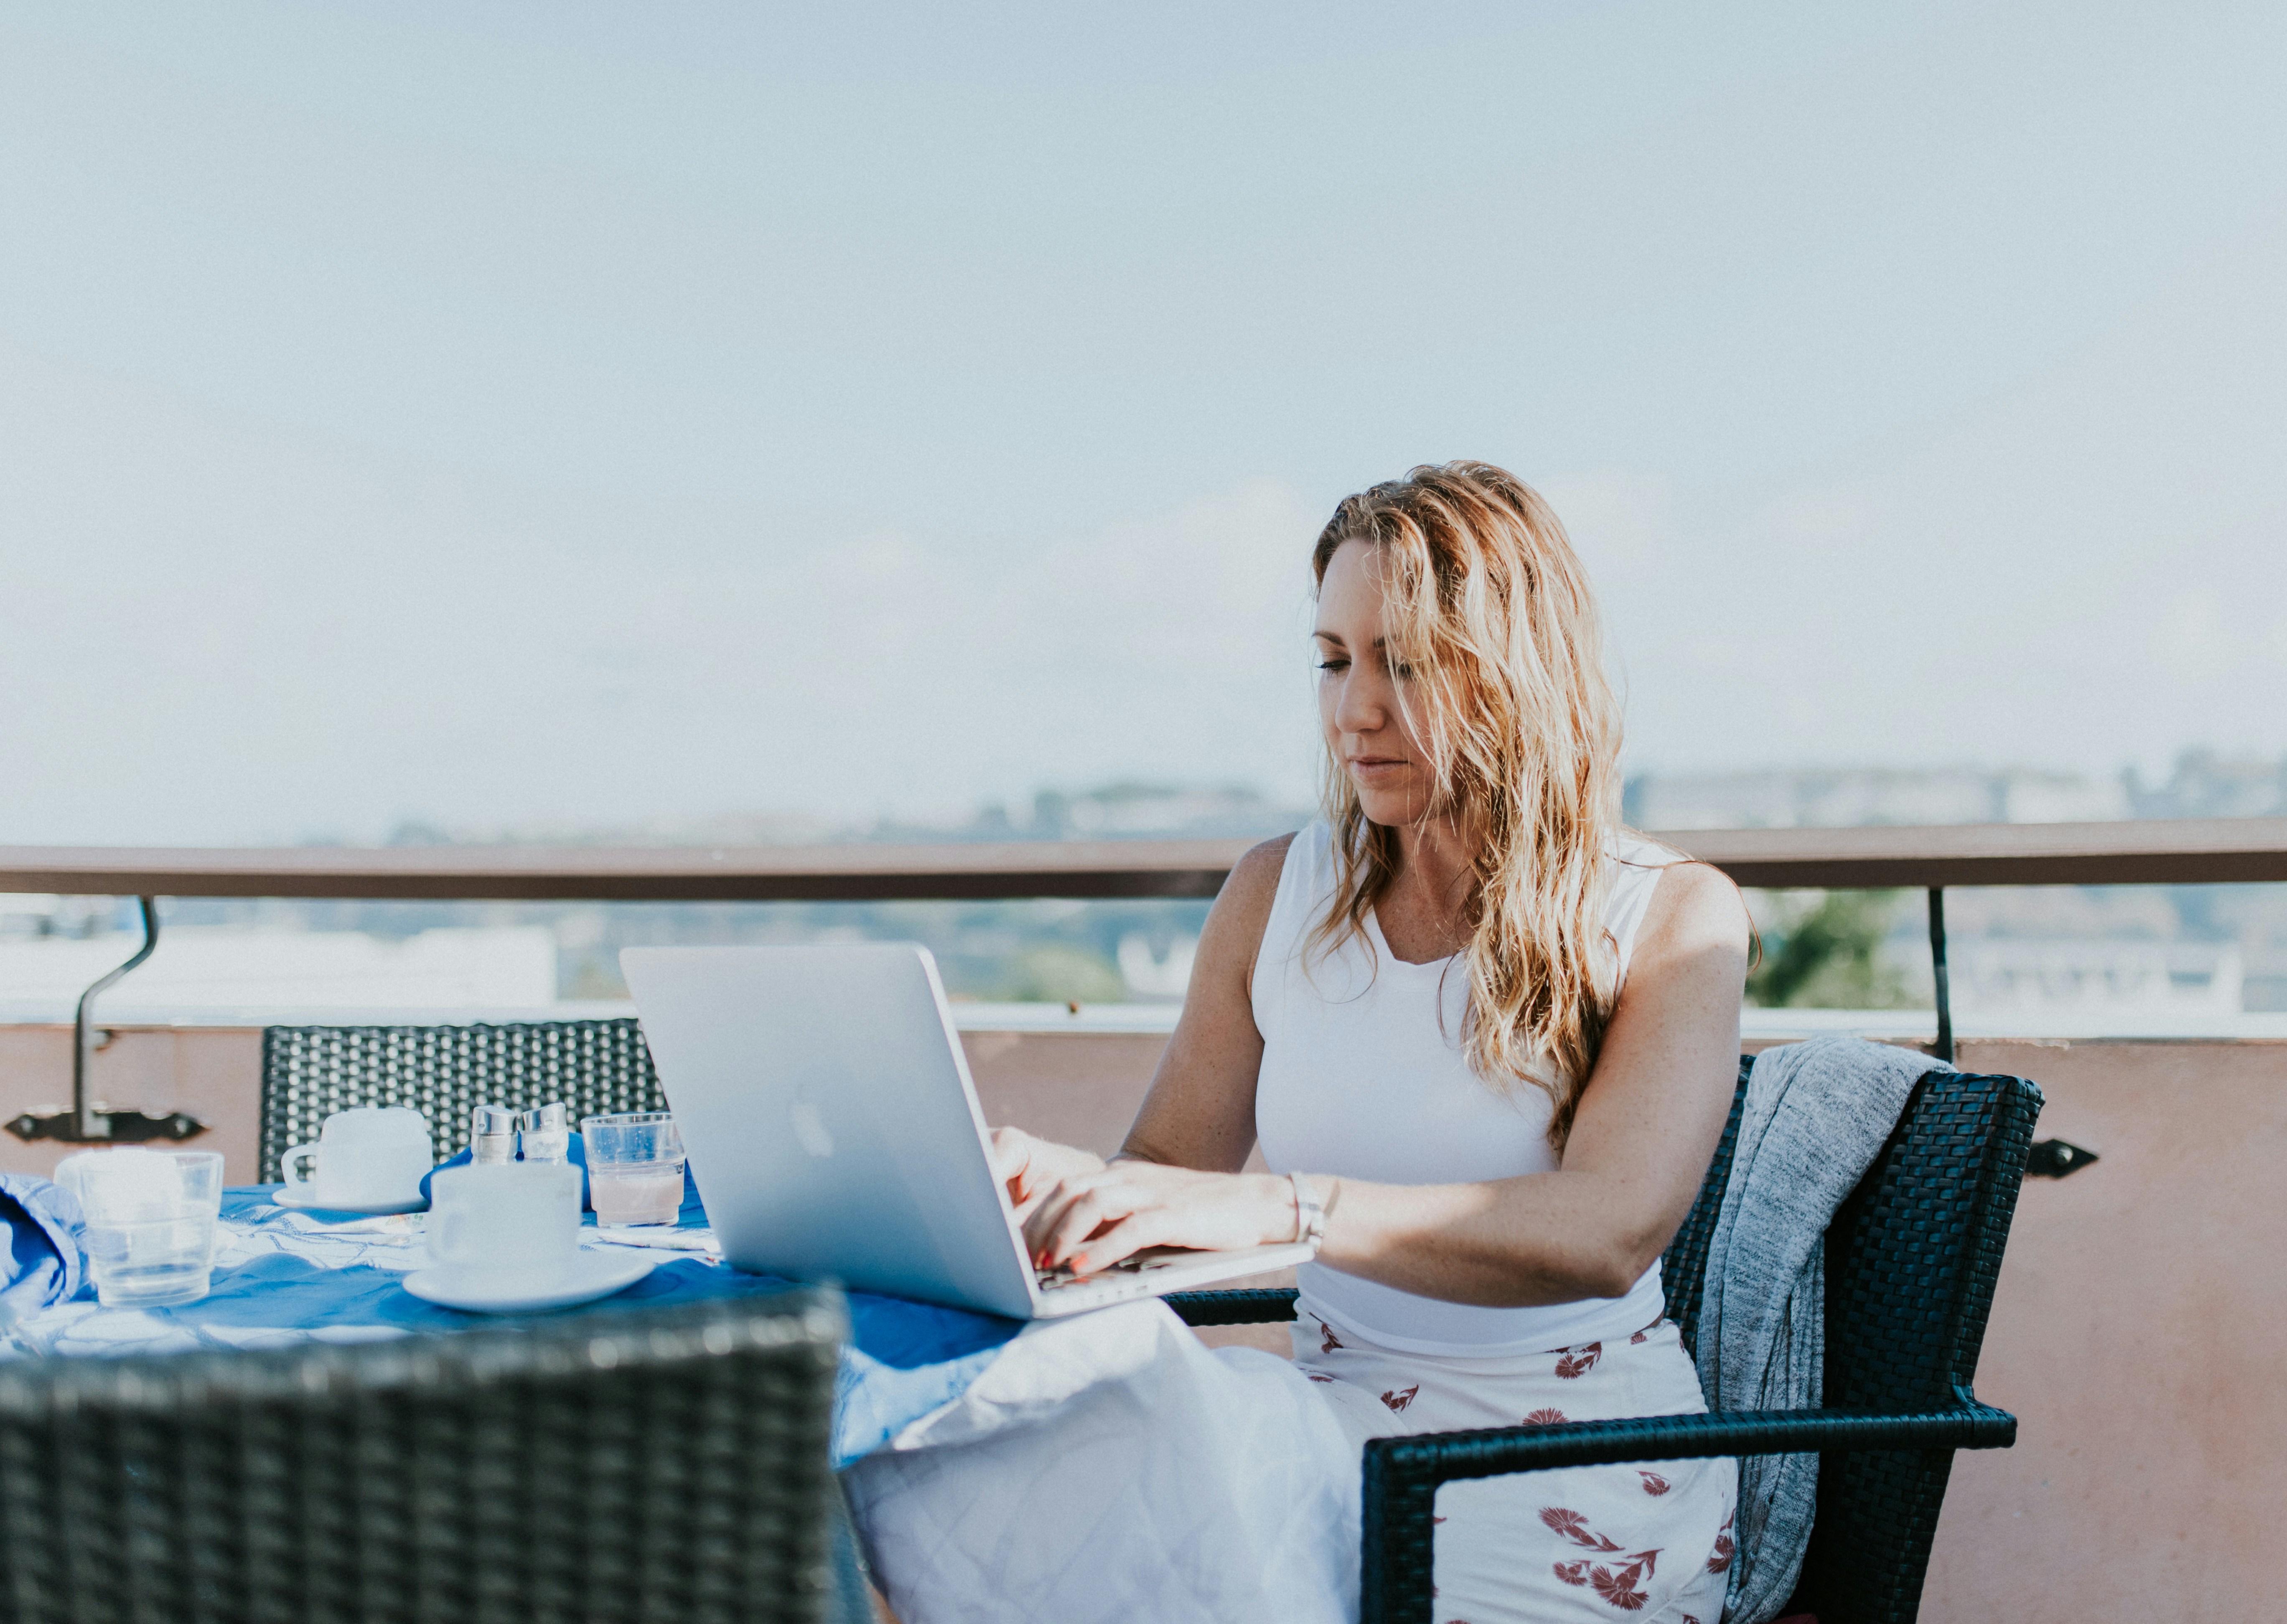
[[661, 1237], [402, 1224]]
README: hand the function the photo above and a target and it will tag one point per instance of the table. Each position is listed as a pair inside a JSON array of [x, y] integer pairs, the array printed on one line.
[[283, 1276]]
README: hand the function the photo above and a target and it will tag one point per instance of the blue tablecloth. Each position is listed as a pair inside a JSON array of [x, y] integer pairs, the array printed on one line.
[[283, 1276]]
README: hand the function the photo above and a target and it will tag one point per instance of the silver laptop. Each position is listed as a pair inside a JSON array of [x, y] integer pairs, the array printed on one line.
[[834, 1133]]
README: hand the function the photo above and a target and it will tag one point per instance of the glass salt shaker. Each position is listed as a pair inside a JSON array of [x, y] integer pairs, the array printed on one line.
[[546, 1133]]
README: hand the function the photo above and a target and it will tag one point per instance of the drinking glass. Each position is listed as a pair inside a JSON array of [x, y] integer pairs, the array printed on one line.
[[635, 1167], [150, 1221]]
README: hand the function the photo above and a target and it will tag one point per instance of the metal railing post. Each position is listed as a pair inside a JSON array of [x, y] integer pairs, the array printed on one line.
[[86, 1124], [1943, 1047], [89, 1123]]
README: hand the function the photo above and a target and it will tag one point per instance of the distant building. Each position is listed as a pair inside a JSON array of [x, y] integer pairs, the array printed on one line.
[[210, 968], [2202, 785], [1850, 797], [2015, 977], [1133, 810], [2205, 785]]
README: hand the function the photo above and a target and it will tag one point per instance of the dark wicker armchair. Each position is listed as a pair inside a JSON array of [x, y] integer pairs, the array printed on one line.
[[668, 1465], [308, 1072], [1910, 1263]]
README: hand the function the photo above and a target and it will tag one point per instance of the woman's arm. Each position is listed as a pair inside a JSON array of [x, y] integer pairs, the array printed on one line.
[[1646, 1128], [1200, 1110]]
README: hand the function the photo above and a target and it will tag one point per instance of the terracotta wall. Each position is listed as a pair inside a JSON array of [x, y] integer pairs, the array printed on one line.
[[2136, 1334], [213, 1073], [1080, 1089]]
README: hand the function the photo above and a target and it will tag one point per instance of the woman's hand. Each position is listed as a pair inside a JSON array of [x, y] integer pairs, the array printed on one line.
[[1092, 1220], [1032, 1167]]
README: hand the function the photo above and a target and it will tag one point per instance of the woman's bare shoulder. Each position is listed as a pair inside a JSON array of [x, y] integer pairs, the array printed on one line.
[[1696, 904], [1242, 910], [1256, 875]]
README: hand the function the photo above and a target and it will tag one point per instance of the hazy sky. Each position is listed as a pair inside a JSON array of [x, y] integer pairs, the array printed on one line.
[[584, 414]]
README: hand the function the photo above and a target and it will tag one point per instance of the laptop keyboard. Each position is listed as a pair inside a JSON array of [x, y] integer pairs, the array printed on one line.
[[1151, 1257]]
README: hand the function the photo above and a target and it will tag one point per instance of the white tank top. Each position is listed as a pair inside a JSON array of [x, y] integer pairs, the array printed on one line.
[[1363, 1077]]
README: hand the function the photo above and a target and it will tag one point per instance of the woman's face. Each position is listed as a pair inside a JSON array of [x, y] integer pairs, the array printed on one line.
[[1357, 693]]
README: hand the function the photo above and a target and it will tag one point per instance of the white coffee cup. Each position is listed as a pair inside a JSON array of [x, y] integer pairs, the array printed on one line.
[[370, 1155], [518, 1220]]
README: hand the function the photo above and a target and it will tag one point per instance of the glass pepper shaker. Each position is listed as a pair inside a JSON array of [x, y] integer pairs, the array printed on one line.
[[492, 1135]]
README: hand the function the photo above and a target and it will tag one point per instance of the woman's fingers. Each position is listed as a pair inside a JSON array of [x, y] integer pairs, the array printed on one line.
[[1046, 1210], [1122, 1238], [1012, 1158], [1011, 1149], [1077, 1208], [1028, 1167], [1065, 1224], [1093, 1220]]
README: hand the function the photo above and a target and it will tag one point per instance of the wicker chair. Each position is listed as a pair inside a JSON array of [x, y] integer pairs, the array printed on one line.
[[668, 1465], [308, 1072], [1910, 1263]]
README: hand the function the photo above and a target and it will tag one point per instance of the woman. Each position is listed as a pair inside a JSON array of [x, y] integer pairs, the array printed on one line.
[[1487, 1040]]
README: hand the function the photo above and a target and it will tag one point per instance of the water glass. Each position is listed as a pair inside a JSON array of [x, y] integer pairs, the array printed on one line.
[[635, 1167], [150, 1221]]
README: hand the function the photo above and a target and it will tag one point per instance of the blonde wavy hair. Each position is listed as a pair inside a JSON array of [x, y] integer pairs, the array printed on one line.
[[1486, 603]]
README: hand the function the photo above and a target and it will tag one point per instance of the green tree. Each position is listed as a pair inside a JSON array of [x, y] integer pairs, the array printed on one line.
[[1059, 972], [1823, 950]]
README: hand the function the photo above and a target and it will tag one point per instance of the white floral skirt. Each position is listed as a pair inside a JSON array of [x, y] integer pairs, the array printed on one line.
[[1650, 1543], [1110, 1467]]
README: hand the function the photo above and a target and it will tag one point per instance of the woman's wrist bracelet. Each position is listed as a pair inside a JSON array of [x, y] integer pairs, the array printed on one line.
[[1310, 1213]]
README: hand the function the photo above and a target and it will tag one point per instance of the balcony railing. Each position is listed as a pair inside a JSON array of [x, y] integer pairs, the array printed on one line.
[[2195, 852], [1931, 857]]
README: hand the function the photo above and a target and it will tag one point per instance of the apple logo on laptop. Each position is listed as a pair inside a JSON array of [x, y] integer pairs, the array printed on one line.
[[810, 1128]]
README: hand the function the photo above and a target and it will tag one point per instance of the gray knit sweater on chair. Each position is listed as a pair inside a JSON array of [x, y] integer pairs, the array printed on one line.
[[1818, 1115]]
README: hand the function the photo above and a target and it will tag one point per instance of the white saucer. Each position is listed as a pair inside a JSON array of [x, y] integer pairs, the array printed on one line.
[[482, 1291], [286, 1198]]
